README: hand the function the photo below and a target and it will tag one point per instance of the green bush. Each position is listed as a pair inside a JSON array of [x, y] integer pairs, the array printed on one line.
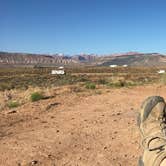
[[36, 96], [13, 104], [90, 86]]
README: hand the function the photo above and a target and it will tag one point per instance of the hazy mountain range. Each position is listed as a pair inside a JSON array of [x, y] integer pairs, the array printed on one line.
[[44, 60]]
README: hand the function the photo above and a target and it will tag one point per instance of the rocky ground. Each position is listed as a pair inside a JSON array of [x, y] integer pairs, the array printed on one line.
[[75, 129]]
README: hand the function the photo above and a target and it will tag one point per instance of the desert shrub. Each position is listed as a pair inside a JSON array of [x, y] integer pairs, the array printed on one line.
[[36, 96], [82, 79], [131, 83], [75, 89], [122, 83], [163, 78], [6, 86], [13, 104], [102, 81], [90, 85], [116, 84]]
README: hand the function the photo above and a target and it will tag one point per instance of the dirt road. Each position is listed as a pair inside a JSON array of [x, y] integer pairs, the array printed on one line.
[[75, 130]]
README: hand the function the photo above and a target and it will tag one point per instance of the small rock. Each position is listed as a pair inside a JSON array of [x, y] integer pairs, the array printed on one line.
[[36, 118], [105, 147], [12, 112], [51, 106], [34, 162], [43, 121], [125, 155]]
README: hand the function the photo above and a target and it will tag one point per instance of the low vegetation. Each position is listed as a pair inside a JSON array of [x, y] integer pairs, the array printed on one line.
[[90, 85], [23, 78], [122, 83], [13, 104], [36, 96], [163, 78], [19, 86], [102, 81]]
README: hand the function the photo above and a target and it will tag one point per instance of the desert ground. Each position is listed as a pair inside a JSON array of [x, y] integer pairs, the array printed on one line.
[[93, 128]]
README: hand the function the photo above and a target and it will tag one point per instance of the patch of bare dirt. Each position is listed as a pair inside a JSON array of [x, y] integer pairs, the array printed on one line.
[[75, 130]]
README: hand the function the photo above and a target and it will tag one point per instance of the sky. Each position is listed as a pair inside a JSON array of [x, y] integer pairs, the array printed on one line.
[[83, 26]]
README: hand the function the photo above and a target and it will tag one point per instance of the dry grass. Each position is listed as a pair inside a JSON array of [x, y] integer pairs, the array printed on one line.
[[23, 78], [19, 84]]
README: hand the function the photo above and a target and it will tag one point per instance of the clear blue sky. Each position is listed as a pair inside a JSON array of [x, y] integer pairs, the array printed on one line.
[[77, 26]]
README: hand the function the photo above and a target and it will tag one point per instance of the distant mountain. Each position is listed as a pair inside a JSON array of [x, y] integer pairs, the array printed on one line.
[[85, 58], [151, 59], [120, 59], [124, 54], [39, 60], [22, 59]]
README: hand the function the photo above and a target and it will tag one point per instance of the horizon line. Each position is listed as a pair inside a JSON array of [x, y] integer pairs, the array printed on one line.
[[82, 53]]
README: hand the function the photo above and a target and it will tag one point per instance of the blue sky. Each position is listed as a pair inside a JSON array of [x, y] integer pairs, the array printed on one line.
[[83, 26]]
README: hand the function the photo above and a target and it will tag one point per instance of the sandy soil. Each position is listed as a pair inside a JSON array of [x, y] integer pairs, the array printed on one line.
[[75, 130]]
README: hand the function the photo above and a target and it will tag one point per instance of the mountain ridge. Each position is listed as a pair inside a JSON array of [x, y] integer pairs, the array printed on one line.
[[49, 60]]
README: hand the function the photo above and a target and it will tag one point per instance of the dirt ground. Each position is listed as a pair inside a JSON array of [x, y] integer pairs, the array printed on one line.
[[70, 129]]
